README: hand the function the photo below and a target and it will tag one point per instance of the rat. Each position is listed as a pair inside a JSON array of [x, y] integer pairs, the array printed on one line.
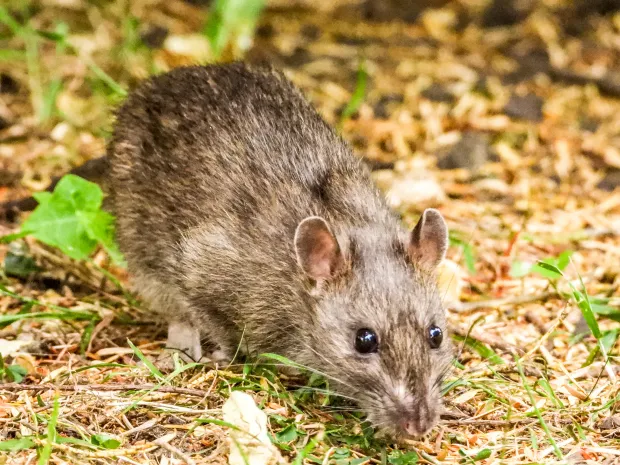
[[247, 221]]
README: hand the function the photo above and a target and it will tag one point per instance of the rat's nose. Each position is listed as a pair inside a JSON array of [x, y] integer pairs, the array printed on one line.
[[419, 421]]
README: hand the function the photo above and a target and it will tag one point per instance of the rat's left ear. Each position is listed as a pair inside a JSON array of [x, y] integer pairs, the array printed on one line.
[[428, 241], [317, 250]]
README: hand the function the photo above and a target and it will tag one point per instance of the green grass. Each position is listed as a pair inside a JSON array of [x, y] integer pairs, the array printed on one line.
[[231, 24], [359, 93], [308, 422]]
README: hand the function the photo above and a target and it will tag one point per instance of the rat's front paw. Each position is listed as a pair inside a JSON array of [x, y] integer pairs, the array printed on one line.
[[165, 361]]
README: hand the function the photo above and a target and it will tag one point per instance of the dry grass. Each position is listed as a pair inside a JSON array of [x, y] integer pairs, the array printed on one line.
[[525, 389]]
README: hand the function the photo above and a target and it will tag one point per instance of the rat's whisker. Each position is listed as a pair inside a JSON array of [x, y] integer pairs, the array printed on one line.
[[328, 392]]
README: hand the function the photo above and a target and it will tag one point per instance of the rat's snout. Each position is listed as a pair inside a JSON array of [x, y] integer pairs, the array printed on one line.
[[418, 420]]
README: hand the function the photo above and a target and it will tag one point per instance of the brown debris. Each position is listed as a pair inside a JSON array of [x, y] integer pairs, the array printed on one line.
[[512, 131]]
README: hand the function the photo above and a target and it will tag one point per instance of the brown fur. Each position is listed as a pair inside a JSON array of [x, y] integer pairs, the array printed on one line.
[[212, 169]]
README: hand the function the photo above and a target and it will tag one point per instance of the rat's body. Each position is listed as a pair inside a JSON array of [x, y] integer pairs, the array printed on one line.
[[247, 221], [230, 161]]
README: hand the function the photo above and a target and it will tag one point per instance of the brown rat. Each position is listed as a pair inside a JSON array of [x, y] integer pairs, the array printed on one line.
[[247, 221]]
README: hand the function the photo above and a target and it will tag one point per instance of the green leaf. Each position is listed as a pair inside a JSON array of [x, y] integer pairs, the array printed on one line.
[[105, 440], [399, 458], [71, 219], [482, 455], [19, 264], [100, 226], [288, 434], [547, 270], [552, 268], [16, 373], [12, 445], [232, 21], [341, 453]]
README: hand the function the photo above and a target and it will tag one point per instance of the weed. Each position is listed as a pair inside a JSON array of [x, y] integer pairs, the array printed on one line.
[[12, 373], [231, 24], [71, 219], [359, 94]]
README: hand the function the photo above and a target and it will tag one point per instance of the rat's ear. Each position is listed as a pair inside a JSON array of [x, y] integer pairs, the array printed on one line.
[[428, 241], [317, 249]]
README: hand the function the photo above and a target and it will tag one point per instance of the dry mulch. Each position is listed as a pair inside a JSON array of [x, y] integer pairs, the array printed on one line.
[[512, 132]]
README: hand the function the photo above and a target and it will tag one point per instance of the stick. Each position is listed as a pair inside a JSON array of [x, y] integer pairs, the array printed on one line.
[[176, 451], [12, 387], [494, 303]]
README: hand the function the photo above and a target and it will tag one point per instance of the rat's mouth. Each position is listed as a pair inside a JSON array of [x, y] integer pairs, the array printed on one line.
[[416, 421]]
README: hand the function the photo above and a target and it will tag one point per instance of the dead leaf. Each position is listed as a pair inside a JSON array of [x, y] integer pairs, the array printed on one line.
[[249, 443]]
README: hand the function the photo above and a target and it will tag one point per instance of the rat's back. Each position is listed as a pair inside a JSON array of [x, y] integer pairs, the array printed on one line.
[[232, 147]]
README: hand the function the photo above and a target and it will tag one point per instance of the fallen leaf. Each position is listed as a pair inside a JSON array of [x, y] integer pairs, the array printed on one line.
[[248, 441]]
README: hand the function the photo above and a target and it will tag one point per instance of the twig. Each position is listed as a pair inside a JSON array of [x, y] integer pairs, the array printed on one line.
[[489, 340], [175, 450], [103, 387], [144, 426], [510, 367], [493, 303], [489, 422]]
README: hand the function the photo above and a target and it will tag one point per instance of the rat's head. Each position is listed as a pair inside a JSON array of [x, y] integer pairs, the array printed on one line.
[[380, 329]]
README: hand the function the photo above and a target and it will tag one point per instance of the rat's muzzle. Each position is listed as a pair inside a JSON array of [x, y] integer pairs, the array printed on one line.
[[417, 420]]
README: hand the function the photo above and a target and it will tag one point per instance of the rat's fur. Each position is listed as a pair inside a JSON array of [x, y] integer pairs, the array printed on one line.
[[212, 170]]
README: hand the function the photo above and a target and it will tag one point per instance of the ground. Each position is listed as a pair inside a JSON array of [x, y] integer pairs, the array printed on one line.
[[512, 132]]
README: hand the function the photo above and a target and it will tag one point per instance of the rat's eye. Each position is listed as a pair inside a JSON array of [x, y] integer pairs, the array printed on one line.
[[435, 336], [366, 341]]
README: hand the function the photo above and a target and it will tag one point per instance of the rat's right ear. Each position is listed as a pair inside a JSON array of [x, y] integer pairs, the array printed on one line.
[[317, 249], [428, 241]]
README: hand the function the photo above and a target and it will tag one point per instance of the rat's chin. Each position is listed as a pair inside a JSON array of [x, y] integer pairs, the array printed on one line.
[[401, 425], [398, 434]]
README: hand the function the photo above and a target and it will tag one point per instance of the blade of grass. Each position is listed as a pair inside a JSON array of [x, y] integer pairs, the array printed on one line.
[[61, 312], [166, 380], [46, 451], [541, 420], [9, 21], [582, 299], [359, 94], [152, 368], [482, 349], [305, 451]]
